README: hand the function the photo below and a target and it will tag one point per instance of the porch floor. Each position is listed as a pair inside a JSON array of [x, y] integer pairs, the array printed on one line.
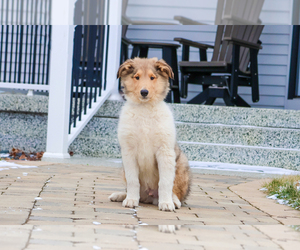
[[65, 205]]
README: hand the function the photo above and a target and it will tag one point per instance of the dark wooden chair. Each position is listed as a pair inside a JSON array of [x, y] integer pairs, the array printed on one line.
[[169, 54], [233, 64]]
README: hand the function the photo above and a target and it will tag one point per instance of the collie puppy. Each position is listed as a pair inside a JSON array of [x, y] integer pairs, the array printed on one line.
[[155, 169]]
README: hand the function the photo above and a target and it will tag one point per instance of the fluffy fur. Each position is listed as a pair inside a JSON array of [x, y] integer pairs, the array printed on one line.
[[155, 169]]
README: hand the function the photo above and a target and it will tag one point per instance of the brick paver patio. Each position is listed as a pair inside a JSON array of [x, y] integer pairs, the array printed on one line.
[[64, 206]]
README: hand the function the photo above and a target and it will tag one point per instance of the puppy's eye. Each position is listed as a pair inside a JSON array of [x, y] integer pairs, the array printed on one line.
[[152, 78], [137, 77]]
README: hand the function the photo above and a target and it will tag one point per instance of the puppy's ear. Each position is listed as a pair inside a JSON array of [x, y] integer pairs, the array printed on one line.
[[126, 68], [162, 66]]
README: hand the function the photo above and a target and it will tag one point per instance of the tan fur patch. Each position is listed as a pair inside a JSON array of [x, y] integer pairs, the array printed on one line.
[[182, 180]]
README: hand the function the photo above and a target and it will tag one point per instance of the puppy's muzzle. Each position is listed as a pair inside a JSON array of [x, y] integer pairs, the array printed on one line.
[[144, 92]]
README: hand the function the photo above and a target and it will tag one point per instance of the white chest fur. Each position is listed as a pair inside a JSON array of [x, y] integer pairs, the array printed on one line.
[[143, 129]]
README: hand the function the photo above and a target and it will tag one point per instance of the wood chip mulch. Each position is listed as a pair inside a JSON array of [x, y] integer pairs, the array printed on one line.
[[17, 154]]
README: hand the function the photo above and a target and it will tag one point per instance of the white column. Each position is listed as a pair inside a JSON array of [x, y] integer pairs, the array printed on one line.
[[114, 12], [113, 61], [60, 78], [114, 46], [62, 12], [60, 91]]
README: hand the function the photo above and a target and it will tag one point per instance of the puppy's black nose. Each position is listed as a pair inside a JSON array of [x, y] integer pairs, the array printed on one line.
[[144, 92]]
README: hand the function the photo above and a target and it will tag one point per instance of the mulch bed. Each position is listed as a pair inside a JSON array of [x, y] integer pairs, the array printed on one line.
[[17, 154]]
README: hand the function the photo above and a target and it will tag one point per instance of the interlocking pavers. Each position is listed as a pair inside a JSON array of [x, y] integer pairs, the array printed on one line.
[[65, 206]]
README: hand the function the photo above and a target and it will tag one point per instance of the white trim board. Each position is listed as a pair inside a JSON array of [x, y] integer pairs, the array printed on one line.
[[27, 86]]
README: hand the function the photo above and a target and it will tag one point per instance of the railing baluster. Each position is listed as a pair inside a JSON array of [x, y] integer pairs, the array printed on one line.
[[40, 54], [6, 53], [90, 63], [6, 19], [44, 55], [21, 12], [12, 12], [75, 73], [16, 56], [1, 48], [11, 52], [26, 51], [106, 57], [98, 40], [30, 53], [34, 53], [101, 56], [20, 53], [48, 53], [85, 42]]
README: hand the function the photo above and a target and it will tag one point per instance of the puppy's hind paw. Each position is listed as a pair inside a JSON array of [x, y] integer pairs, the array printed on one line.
[[130, 203], [166, 228], [117, 196], [166, 206], [176, 201]]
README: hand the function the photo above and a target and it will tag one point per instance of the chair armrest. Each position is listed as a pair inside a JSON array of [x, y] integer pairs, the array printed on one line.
[[193, 44], [234, 20], [126, 41], [140, 22], [128, 21], [187, 21], [243, 43]]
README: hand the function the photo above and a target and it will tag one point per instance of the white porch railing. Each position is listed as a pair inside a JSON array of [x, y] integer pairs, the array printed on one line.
[[60, 73], [58, 139]]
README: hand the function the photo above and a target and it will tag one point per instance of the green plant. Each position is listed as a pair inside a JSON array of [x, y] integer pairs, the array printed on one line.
[[286, 189]]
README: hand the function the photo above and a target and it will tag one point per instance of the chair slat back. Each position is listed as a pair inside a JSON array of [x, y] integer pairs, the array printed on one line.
[[124, 7], [223, 49], [218, 41], [238, 11]]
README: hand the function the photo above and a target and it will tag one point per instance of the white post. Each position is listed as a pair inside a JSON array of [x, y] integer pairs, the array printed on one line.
[[60, 91], [62, 12], [114, 46], [114, 12], [60, 79]]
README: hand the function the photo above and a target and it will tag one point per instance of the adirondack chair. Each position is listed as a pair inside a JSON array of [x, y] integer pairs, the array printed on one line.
[[234, 12], [236, 47]]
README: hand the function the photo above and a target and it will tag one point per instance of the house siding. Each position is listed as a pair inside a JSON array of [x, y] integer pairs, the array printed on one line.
[[273, 11], [273, 59]]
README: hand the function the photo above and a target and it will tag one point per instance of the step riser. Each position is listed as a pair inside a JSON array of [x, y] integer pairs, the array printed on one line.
[[219, 134], [199, 125], [275, 118], [195, 152], [35, 126], [185, 113]]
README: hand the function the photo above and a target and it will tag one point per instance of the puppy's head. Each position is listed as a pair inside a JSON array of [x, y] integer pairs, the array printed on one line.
[[145, 80]]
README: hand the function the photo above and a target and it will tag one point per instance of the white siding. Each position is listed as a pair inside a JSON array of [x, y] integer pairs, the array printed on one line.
[[273, 59], [273, 11]]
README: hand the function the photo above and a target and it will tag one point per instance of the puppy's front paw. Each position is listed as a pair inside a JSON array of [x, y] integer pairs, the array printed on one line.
[[166, 206], [130, 203]]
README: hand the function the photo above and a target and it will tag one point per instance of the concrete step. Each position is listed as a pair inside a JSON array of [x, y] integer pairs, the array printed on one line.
[[205, 133], [106, 128], [276, 147], [258, 156], [205, 114]]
